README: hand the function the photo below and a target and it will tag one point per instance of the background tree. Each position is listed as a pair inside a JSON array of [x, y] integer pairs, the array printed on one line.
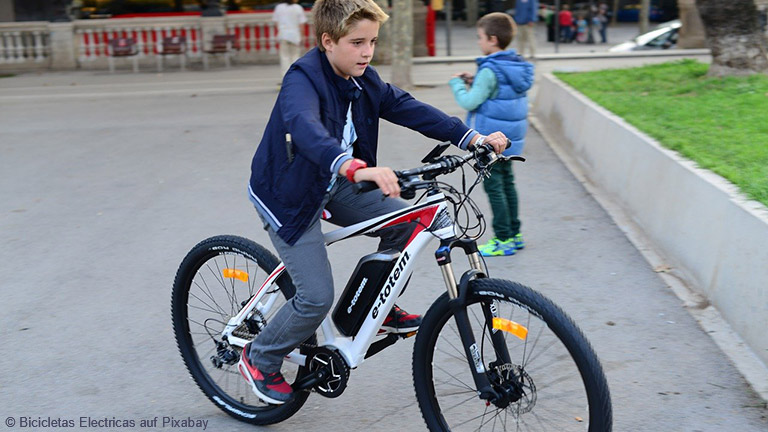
[[645, 12], [402, 42], [733, 35], [383, 53], [471, 12]]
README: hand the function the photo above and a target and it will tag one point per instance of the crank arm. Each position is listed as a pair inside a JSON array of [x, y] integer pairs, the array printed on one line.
[[312, 379]]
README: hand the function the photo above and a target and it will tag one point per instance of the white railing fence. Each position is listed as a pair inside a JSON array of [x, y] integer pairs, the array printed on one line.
[[25, 44], [83, 44], [255, 37]]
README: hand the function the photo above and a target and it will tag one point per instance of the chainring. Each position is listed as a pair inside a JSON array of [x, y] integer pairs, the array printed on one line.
[[338, 371]]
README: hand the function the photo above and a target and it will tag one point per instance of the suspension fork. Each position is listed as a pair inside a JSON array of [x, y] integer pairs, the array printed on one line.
[[457, 295], [497, 338]]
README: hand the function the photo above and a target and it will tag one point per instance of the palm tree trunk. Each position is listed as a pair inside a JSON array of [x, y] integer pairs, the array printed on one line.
[[643, 18], [402, 42], [383, 53], [733, 36]]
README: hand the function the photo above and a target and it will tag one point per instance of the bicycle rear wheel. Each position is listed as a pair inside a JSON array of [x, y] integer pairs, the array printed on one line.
[[551, 378], [215, 280]]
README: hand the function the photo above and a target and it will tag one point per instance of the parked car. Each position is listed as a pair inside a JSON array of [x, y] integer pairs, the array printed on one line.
[[663, 36]]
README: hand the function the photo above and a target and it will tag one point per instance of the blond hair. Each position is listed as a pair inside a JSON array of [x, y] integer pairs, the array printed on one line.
[[500, 25], [337, 17]]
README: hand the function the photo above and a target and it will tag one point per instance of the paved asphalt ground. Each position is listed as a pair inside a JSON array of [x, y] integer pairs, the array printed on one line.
[[106, 181]]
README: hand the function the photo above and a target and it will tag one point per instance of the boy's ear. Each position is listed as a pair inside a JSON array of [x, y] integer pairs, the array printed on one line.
[[494, 40], [327, 41]]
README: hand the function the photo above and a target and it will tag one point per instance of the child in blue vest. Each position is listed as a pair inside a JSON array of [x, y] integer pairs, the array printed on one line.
[[496, 100]]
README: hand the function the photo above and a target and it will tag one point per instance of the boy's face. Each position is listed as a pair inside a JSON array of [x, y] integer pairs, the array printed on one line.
[[352, 54], [487, 45]]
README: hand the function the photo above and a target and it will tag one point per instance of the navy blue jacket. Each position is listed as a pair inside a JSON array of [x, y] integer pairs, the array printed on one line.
[[312, 107]]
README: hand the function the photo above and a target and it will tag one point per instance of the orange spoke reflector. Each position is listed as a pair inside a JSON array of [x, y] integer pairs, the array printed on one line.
[[235, 274], [510, 327]]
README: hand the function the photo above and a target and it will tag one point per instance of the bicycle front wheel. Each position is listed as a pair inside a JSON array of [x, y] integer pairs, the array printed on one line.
[[535, 357], [215, 280]]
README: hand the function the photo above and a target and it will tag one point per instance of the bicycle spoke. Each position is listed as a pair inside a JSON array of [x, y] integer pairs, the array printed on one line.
[[219, 275], [457, 379], [207, 292], [204, 309], [474, 396], [225, 283], [219, 311], [483, 417], [460, 356], [532, 358]]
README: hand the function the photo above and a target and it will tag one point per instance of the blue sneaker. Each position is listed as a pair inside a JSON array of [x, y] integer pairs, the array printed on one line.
[[519, 242], [497, 247], [491, 244]]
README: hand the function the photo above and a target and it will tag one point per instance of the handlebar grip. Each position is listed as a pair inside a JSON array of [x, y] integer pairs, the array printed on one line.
[[365, 186], [489, 148]]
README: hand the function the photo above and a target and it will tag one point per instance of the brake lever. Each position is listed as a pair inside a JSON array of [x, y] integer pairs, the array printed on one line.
[[514, 158]]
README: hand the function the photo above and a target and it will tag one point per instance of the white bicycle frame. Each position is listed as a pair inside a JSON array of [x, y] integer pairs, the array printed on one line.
[[435, 221]]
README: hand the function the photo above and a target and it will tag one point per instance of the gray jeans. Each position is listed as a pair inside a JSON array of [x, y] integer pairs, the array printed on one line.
[[307, 264]]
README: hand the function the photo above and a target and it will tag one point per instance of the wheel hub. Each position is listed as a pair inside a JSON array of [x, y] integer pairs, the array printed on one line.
[[514, 386]]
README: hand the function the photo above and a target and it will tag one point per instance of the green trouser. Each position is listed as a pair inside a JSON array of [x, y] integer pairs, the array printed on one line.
[[500, 187]]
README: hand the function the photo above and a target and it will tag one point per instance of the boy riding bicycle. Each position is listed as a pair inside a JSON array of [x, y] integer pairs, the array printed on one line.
[[321, 138]]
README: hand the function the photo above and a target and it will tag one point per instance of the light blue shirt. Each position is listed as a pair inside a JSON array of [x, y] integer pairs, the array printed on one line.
[[484, 87], [349, 135]]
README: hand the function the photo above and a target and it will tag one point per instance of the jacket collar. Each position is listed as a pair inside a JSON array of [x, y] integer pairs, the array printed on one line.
[[350, 89], [509, 54]]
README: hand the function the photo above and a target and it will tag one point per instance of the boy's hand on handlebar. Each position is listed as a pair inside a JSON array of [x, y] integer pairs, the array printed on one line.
[[384, 177], [498, 141]]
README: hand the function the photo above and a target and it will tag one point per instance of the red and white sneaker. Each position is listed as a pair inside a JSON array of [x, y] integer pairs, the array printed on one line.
[[270, 388], [399, 321]]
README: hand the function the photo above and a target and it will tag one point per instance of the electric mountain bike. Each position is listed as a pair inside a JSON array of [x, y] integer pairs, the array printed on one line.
[[490, 354]]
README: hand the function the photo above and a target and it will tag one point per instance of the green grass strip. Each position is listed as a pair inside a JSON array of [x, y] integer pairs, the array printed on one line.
[[719, 123]]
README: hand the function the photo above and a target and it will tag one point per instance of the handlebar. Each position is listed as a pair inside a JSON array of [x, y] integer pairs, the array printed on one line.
[[483, 156]]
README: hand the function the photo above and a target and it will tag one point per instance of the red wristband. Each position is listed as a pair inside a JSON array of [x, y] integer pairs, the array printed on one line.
[[354, 166]]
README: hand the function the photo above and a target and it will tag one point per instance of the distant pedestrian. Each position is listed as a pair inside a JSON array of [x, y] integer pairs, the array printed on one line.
[[591, 24], [565, 17], [548, 16], [496, 98], [581, 29], [526, 15], [289, 17], [602, 19]]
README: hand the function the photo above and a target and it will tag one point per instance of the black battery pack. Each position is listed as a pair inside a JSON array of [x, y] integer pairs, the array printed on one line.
[[364, 285]]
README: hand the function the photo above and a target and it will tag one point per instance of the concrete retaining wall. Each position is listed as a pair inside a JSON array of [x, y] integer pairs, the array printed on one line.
[[714, 238]]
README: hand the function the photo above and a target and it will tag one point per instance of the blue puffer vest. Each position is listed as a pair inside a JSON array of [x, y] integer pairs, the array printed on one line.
[[507, 109]]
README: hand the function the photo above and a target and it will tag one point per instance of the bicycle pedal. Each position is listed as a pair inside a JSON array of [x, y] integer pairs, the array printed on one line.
[[409, 334]]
